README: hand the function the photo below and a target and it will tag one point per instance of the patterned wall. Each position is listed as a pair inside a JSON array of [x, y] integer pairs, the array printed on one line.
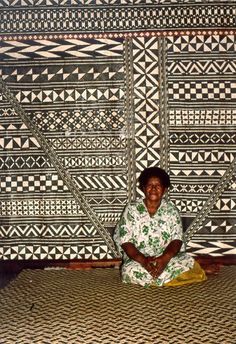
[[90, 95]]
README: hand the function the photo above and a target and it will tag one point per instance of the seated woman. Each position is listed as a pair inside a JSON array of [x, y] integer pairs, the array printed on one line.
[[150, 238]]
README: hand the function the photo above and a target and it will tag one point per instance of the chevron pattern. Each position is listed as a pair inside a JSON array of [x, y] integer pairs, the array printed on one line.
[[50, 49], [186, 66], [214, 248]]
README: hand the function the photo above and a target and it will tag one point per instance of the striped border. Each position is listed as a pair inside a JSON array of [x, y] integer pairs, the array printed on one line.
[[20, 37]]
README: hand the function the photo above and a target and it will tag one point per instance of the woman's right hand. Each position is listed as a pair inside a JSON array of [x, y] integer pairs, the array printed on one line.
[[149, 266], [148, 263]]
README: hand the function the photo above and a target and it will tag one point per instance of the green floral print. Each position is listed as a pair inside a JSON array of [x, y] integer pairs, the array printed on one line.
[[151, 235]]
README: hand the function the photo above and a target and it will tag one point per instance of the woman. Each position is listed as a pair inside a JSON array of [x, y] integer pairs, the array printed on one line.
[[149, 235]]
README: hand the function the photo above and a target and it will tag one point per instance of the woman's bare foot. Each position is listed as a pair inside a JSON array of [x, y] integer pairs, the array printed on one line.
[[212, 269]]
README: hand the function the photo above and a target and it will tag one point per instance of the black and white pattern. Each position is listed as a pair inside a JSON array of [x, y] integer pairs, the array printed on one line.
[[202, 147], [119, 17], [91, 94], [73, 109]]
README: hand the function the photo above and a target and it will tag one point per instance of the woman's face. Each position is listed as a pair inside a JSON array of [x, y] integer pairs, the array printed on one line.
[[154, 190]]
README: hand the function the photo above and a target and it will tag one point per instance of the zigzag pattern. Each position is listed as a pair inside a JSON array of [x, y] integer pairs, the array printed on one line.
[[35, 230], [213, 156], [10, 127], [98, 125], [105, 123], [212, 247], [109, 200], [49, 49], [199, 171], [201, 114], [216, 66], [82, 300]]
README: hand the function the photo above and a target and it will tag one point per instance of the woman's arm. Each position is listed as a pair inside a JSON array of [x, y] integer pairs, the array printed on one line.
[[154, 265], [133, 253], [172, 249]]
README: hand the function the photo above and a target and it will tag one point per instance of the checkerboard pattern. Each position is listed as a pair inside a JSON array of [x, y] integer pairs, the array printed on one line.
[[106, 91]]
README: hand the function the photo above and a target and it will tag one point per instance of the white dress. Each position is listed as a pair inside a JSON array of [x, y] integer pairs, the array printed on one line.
[[151, 235]]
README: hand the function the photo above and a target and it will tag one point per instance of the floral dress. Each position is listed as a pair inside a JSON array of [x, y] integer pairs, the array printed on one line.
[[151, 235]]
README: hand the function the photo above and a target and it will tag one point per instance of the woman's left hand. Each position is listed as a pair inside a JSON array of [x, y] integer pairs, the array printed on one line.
[[158, 265]]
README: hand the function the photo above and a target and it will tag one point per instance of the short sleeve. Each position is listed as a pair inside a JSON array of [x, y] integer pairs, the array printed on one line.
[[124, 231], [175, 224]]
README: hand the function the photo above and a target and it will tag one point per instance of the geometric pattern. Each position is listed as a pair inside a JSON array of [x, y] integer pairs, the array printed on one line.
[[76, 123], [115, 18], [224, 90], [70, 49], [201, 117], [92, 118], [69, 95], [213, 200], [56, 250], [23, 183], [202, 145], [146, 102], [92, 102]]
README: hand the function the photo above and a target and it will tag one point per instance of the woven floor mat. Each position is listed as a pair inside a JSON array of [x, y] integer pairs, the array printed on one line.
[[64, 306]]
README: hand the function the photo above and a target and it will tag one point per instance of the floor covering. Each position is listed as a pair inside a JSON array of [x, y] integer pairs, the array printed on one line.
[[66, 306]]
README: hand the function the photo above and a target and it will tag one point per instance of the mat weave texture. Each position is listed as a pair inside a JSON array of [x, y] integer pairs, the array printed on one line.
[[63, 306]]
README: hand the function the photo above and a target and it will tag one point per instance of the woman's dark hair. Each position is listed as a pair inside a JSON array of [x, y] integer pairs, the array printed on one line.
[[150, 172]]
